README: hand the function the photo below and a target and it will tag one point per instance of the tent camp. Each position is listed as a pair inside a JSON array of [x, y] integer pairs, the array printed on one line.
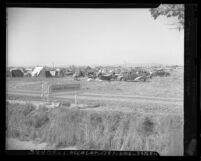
[[41, 72]]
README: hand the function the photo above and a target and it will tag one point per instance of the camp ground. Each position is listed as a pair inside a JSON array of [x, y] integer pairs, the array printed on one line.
[[156, 95], [100, 93], [95, 80]]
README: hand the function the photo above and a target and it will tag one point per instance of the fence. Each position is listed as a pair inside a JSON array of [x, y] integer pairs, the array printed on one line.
[[52, 89]]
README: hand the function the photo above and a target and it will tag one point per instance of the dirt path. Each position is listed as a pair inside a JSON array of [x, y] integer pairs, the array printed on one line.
[[98, 95], [106, 97]]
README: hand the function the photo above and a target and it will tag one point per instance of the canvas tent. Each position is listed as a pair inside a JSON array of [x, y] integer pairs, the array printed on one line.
[[59, 72], [53, 73], [22, 70], [45, 73], [80, 72], [28, 70], [41, 72], [16, 73], [8, 73], [36, 71], [27, 74]]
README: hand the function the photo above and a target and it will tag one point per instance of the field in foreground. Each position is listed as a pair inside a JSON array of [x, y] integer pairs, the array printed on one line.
[[96, 130]]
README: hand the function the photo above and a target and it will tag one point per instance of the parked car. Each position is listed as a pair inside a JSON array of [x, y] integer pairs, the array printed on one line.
[[161, 73]]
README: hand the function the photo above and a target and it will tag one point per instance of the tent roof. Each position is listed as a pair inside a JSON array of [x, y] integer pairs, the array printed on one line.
[[53, 73], [21, 69], [36, 71]]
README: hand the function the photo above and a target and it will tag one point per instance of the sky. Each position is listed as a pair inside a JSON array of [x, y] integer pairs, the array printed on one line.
[[64, 36]]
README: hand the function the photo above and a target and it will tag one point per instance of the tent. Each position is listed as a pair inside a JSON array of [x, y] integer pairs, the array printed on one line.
[[28, 70], [41, 72], [80, 72], [45, 73], [16, 73], [60, 72], [36, 71], [53, 73], [8, 73], [27, 74], [22, 70]]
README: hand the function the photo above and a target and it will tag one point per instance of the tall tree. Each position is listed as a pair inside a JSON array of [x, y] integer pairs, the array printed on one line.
[[170, 10]]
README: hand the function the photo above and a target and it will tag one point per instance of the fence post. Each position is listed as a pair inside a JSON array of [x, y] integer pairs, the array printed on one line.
[[48, 93], [75, 98], [41, 90]]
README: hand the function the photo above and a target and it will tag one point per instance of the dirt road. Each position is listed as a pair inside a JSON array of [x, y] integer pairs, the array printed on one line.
[[103, 97]]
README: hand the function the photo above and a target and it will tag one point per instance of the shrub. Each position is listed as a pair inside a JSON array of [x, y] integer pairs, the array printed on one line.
[[66, 104], [28, 108], [38, 118]]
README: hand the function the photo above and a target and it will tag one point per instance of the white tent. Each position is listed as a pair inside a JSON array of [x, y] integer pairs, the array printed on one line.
[[36, 71], [29, 69], [53, 73]]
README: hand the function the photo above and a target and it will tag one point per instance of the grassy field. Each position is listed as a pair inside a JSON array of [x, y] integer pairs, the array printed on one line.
[[97, 130], [113, 126]]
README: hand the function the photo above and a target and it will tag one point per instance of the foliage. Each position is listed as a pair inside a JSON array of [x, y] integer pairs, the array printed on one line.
[[170, 10]]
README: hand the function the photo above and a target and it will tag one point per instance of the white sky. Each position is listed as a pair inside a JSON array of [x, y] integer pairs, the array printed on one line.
[[41, 36]]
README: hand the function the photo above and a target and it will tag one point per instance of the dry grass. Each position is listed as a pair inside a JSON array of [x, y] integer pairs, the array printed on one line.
[[97, 130]]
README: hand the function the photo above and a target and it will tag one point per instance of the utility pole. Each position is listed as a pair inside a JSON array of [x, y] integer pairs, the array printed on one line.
[[53, 65]]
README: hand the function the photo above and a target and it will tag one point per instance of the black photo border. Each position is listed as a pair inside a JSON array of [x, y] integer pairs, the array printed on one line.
[[191, 62]]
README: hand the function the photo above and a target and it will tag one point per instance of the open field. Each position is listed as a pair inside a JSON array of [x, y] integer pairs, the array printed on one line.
[[131, 115]]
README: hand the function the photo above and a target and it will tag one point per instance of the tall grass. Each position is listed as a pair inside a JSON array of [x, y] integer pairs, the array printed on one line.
[[97, 130]]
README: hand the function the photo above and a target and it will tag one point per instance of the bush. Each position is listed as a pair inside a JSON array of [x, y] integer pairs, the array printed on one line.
[[28, 108], [66, 104], [22, 120], [146, 128], [38, 118]]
